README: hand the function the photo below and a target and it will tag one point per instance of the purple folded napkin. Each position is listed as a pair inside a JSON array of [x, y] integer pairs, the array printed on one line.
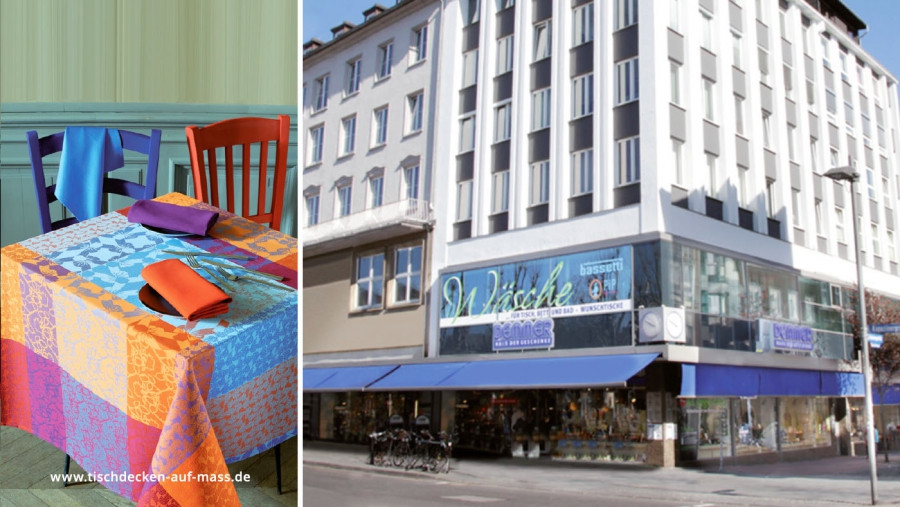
[[87, 153], [173, 217]]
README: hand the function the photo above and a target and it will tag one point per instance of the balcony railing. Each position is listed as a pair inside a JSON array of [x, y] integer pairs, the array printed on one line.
[[374, 223]]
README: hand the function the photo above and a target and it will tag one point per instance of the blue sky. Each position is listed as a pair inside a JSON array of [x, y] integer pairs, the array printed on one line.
[[881, 41]]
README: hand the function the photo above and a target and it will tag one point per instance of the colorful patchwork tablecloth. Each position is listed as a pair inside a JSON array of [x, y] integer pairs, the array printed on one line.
[[151, 404]]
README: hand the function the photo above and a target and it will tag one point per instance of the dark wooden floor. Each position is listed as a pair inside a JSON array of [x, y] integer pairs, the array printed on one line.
[[26, 463]]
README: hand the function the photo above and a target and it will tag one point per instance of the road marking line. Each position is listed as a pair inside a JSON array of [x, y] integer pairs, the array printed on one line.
[[473, 499]]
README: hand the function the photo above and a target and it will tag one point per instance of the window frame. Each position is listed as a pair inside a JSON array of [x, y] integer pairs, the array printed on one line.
[[541, 109], [582, 172], [312, 202], [321, 99], [500, 192], [385, 60], [625, 14], [539, 189], [543, 33], [419, 46], [411, 188], [372, 279], [582, 24], [409, 274], [344, 200], [630, 172], [380, 126], [316, 144], [348, 135], [503, 122], [582, 95], [506, 54], [627, 81], [354, 69], [415, 110], [376, 191]]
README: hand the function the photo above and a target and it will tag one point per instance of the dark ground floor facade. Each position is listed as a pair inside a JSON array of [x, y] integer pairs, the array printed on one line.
[[658, 416]]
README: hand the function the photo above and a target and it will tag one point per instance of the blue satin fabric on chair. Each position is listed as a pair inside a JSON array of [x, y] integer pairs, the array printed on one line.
[[88, 153]]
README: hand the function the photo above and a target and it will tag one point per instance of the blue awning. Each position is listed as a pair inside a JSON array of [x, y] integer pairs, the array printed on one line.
[[417, 376], [348, 378], [708, 380], [547, 373], [891, 395]]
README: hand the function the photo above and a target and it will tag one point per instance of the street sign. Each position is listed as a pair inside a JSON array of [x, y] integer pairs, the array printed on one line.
[[884, 328], [876, 340]]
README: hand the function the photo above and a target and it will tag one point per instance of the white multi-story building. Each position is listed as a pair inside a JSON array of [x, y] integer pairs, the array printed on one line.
[[634, 231]]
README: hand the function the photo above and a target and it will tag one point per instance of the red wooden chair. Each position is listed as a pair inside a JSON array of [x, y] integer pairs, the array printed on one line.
[[243, 132]]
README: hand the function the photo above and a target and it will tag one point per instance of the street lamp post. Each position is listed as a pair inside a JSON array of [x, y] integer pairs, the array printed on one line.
[[848, 173]]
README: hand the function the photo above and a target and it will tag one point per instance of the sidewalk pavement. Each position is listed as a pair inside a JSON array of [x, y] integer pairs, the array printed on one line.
[[839, 480]]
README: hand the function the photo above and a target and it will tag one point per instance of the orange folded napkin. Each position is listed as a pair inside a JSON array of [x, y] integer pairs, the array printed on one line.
[[190, 294]]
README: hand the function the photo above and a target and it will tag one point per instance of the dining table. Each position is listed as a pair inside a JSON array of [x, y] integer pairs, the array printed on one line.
[[153, 405]]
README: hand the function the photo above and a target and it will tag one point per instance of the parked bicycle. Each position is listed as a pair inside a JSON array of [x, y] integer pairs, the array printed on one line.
[[411, 449]]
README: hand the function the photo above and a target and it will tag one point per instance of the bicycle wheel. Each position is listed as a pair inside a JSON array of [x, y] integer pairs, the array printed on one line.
[[400, 453]]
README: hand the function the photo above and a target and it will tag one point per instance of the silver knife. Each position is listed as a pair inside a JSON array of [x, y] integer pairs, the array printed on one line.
[[242, 268], [209, 254]]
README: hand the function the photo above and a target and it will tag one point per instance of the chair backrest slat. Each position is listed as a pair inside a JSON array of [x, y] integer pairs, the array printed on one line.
[[245, 132], [40, 147]]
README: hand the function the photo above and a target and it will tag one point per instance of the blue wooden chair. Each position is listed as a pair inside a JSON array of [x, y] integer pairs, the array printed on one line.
[[38, 148]]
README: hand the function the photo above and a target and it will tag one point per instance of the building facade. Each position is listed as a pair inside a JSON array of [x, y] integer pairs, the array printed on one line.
[[636, 253]]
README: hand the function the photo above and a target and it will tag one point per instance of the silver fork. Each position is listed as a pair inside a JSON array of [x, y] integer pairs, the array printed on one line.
[[192, 262], [235, 278]]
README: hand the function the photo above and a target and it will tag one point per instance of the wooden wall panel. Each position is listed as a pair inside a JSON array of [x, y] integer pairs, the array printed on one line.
[[157, 51]]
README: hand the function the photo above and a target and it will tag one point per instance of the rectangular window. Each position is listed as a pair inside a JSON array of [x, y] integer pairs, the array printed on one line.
[[709, 99], [582, 96], [542, 40], [540, 183], [831, 101], [628, 161], [891, 248], [675, 15], [502, 122], [540, 109], [737, 52], [796, 207], [763, 56], [321, 93], [583, 24], [866, 127], [825, 52], [845, 69], [467, 134], [885, 189], [470, 11], [792, 142], [464, 200], [369, 281], [312, 209], [788, 80], [870, 182], [414, 110], [385, 55], [739, 114], [505, 4], [677, 157], [408, 274], [627, 81], [500, 195], [470, 68], [316, 143], [376, 191], [820, 230], [706, 30], [582, 172], [505, 54], [839, 225], [876, 240], [744, 184], [674, 82], [834, 157], [381, 125], [814, 155], [626, 13], [767, 129], [348, 126], [344, 200], [770, 198], [419, 43], [810, 92], [353, 73], [849, 117], [411, 182], [712, 169]]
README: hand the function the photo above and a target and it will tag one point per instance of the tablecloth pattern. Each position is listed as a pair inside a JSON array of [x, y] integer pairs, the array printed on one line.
[[87, 367]]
